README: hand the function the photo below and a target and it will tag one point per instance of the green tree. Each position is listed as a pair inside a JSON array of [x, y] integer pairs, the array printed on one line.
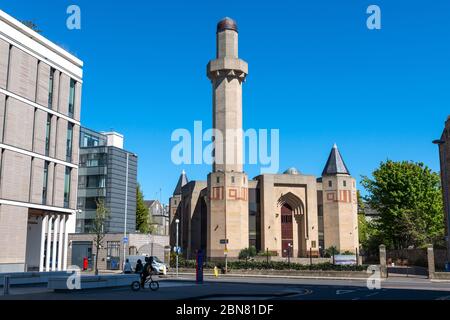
[[142, 213], [407, 196], [30, 24], [101, 216], [363, 225]]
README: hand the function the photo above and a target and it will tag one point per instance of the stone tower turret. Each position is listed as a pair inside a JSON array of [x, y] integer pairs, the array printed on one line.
[[340, 211]]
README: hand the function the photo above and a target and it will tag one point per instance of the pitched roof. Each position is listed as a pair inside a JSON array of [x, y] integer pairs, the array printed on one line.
[[182, 180], [149, 203], [335, 163]]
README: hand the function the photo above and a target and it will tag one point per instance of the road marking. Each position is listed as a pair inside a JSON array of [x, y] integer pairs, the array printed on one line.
[[372, 294], [443, 298], [344, 291], [355, 299]]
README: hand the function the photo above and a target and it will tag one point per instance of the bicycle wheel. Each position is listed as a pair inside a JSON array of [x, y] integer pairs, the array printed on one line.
[[154, 285], [136, 286]]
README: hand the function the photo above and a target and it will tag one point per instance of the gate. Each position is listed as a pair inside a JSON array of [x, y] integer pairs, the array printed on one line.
[[407, 262]]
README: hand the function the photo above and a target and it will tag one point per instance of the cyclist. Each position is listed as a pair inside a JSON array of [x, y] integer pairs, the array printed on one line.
[[148, 269]]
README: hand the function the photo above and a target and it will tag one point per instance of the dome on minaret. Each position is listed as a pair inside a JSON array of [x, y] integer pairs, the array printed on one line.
[[227, 24], [292, 171]]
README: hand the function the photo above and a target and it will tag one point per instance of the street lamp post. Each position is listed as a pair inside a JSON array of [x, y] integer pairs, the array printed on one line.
[[126, 211], [289, 253], [440, 142], [177, 221]]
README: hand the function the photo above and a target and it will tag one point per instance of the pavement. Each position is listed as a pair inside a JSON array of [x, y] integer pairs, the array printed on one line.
[[253, 288]]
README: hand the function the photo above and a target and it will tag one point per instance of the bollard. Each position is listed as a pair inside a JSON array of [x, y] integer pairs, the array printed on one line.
[[216, 271], [6, 285]]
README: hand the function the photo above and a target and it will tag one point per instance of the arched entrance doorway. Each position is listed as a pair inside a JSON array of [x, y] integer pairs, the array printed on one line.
[[287, 233]]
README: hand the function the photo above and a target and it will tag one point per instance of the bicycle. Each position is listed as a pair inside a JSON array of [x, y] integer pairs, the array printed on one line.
[[152, 284]]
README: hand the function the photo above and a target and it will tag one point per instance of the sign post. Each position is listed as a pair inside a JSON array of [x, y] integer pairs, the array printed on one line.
[[225, 252]]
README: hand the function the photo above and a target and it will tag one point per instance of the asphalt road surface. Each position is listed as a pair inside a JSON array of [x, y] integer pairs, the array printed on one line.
[[244, 288]]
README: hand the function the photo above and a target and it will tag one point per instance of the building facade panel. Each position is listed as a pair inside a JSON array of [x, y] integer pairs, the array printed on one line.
[[2, 115], [18, 130], [22, 74], [56, 86], [53, 135], [37, 180], [58, 185], [50, 183], [15, 176], [77, 112], [4, 61], [73, 188], [75, 140], [13, 228], [43, 82], [63, 93], [61, 139], [40, 128]]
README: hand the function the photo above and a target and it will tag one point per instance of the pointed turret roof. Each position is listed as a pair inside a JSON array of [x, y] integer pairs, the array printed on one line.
[[182, 180], [335, 163]]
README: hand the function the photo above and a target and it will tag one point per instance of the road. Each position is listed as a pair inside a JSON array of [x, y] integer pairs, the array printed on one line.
[[244, 288]]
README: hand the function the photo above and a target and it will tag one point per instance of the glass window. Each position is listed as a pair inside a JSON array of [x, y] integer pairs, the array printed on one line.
[[67, 187], [50, 87], [93, 160], [44, 187], [47, 134], [232, 179], [217, 179], [320, 210], [72, 98], [69, 142], [96, 181], [345, 183], [330, 183]]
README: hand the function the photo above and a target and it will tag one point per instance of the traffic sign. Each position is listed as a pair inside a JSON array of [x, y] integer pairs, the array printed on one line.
[[223, 241], [225, 252], [125, 240]]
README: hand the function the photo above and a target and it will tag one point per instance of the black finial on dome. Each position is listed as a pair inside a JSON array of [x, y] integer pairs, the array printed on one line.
[[227, 24]]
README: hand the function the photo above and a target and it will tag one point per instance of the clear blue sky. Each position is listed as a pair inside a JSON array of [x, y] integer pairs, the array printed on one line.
[[315, 72]]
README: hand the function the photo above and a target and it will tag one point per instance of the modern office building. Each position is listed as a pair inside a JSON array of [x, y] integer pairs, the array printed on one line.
[[158, 217], [104, 167], [40, 95]]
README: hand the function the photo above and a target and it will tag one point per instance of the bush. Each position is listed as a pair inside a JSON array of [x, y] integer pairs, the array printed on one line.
[[265, 254], [247, 253], [271, 265], [329, 252]]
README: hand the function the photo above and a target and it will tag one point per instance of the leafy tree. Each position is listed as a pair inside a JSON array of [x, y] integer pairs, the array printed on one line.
[[98, 228], [407, 195], [362, 222], [142, 212]]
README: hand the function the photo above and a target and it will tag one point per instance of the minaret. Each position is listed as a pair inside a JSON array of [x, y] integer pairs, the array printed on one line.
[[227, 183], [227, 72], [340, 211]]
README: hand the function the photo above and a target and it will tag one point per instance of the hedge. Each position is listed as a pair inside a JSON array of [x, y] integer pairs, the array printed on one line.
[[273, 265]]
